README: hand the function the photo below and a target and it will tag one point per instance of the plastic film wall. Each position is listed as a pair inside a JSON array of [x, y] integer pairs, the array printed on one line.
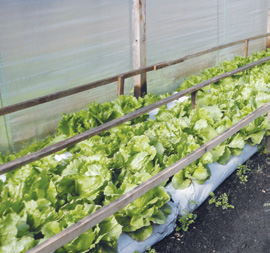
[[47, 46], [50, 45], [179, 28]]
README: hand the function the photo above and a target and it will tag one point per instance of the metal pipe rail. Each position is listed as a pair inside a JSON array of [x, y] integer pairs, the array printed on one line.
[[120, 78], [116, 122], [91, 220]]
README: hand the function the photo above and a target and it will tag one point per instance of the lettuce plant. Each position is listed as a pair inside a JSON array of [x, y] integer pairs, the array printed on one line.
[[45, 197]]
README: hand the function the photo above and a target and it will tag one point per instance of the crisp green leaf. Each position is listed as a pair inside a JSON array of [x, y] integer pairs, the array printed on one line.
[[179, 181], [142, 233]]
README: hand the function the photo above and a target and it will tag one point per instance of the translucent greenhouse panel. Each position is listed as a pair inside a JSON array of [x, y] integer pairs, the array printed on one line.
[[177, 28], [5, 131], [239, 20], [168, 79], [48, 46], [4, 135], [41, 126]]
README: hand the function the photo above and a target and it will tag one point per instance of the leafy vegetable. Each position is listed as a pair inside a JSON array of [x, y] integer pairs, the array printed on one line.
[[42, 198]]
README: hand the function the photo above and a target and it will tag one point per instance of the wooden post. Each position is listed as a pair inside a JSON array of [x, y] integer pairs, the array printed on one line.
[[246, 48], [193, 99], [267, 143], [120, 86], [268, 30], [139, 45]]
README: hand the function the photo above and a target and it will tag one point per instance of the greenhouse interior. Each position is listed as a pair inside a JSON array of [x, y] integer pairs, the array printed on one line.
[[134, 126]]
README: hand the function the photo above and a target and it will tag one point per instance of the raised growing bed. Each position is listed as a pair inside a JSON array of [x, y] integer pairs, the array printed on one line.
[[234, 145], [245, 228]]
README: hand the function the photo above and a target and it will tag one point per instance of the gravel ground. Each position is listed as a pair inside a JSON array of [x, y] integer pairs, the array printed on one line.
[[246, 228]]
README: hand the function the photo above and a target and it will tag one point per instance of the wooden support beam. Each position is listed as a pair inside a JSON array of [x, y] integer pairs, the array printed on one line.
[[267, 142], [55, 96], [139, 45], [268, 30], [116, 122], [120, 86], [193, 100], [91, 220], [207, 51], [246, 48], [72, 91]]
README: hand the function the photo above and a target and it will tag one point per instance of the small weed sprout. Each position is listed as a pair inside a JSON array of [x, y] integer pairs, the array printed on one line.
[[149, 250], [261, 149], [186, 220], [222, 201], [242, 172]]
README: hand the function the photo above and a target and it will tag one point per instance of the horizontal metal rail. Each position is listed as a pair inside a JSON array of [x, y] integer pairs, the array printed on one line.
[[116, 122], [91, 220], [120, 77]]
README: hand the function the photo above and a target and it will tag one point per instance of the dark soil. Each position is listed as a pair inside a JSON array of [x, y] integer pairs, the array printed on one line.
[[246, 228]]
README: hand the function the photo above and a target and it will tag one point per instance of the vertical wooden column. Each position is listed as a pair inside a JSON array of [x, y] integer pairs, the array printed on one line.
[[139, 45], [193, 99], [120, 86], [267, 143], [246, 48], [268, 29]]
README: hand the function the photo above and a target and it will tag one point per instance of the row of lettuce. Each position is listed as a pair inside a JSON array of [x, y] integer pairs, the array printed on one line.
[[45, 197]]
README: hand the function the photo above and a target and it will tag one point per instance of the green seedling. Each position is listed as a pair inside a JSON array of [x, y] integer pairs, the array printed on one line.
[[186, 220], [222, 201], [261, 148], [242, 172], [149, 250]]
